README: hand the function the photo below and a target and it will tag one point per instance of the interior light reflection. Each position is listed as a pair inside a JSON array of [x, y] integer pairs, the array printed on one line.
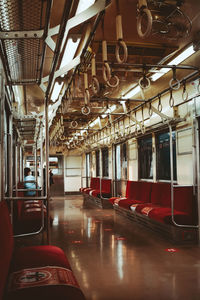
[[120, 259]]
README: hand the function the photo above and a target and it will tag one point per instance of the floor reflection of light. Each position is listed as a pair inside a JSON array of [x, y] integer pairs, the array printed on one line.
[[120, 259], [84, 279], [55, 220], [89, 227]]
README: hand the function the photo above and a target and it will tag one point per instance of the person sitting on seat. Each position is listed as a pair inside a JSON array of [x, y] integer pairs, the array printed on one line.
[[29, 182]]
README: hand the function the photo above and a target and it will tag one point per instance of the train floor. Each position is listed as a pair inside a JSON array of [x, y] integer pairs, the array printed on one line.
[[115, 259]]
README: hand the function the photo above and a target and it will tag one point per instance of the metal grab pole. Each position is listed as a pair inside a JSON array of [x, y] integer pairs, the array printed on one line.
[[172, 183], [47, 167]]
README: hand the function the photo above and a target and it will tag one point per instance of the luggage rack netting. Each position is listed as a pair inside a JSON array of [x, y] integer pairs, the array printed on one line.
[[23, 55]]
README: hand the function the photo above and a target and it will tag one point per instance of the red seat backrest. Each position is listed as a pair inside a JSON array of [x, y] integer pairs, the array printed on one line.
[[95, 183], [160, 193], [132, 190], [183, 199], [6, 244], [106, 185]]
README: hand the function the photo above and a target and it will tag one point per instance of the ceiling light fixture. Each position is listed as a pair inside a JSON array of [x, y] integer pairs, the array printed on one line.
[[56, 91], [176, 61], [132, 92], [70, 50]]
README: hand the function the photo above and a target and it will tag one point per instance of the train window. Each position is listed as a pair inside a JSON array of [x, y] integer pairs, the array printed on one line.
[[117, 162], [105, 162], [124, 161], [145, 158], [87, 168], [163, 156], [120, 161], [97, 154]]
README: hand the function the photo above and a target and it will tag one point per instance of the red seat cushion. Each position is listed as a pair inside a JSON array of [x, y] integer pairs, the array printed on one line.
[[42, 258], [163, 215], [127, 203], [112, 199], [96, 193], [140, 207]]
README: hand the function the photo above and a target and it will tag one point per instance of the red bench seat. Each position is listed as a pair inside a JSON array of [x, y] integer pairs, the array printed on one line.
[[105, 189], [38, 272], [136, 192]]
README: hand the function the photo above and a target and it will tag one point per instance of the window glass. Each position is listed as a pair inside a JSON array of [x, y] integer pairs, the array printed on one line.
[[97, 153], [87, 164], [124, 161], [117, 162], [105, 162], [145, 158], [163, 156]]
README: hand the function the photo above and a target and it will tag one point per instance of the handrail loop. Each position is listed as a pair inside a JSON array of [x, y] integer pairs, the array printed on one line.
[[143, 11], [106, 68], [95, 85], [85, 110], [174, 83], [119, 37], [115, 79], [144, 82], [185, 93], [150, 110], [121, 44], [171, 99], [74, 124], [95, 82], [159, 103]]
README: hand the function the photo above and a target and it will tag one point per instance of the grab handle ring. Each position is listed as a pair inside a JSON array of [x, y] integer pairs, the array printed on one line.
[[106, 72], [144, 82], [144, 12], [116, 81], [171, 99], [121, 44], [159, 103], [185, 93], [85, 110], [174, 83], [95, 85]]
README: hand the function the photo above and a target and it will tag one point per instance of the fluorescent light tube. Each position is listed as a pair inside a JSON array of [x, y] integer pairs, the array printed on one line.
[[70, 51], [176, 61], [56, 91], [132, 92]]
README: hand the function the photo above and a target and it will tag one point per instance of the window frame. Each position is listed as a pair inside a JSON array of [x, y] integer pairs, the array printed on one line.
[[159, 158], [142, 173]]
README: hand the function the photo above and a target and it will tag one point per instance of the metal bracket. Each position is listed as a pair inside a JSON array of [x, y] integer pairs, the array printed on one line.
[[163, 116], [28, 34], [73, 22]]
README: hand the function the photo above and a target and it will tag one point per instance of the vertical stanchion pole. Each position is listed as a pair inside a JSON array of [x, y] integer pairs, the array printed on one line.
[[2, 109], [47, 167]]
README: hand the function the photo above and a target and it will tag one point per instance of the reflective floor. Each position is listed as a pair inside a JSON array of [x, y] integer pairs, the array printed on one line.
[[115, 259]]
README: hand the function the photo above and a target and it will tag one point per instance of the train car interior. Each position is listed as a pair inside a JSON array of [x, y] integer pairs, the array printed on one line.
[[100, 149]]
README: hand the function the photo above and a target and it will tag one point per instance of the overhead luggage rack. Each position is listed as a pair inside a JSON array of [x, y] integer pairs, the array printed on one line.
[[23, 24]]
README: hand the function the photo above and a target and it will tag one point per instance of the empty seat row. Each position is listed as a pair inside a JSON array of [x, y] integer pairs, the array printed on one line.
[[153, 200], [98, 188]]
